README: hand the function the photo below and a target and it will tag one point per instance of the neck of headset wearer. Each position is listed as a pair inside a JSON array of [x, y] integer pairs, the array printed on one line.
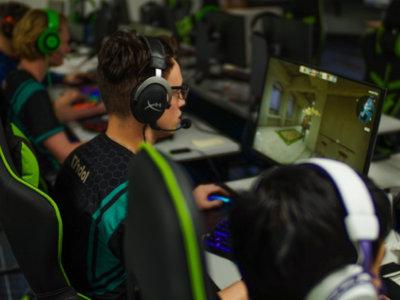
[[37, 68], [128, 132]]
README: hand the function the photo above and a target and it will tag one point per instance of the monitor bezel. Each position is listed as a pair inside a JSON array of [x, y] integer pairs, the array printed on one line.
[[374, 127]]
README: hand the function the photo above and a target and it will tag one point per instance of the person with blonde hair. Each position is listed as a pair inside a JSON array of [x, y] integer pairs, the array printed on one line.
[[36, 37]]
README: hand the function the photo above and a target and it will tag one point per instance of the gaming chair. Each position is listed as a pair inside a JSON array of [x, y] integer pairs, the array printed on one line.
[[33, 226], [163, 253]]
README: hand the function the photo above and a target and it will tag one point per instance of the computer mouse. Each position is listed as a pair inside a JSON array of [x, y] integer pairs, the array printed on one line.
[[217, 196]]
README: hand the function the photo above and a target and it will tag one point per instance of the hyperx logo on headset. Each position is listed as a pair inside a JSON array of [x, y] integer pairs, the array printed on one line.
[[157, 106]]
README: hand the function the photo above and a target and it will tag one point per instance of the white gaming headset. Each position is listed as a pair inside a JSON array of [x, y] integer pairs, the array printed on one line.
[[352, 281]]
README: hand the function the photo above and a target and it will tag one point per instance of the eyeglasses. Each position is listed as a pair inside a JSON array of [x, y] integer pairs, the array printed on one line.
[[181, 90]]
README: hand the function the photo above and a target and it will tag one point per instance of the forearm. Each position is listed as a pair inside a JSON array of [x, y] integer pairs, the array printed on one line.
[[236, 291]]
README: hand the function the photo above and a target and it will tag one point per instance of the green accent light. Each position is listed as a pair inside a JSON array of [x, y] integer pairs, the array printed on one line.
[[52, 42], [199, 15], [185, 221], [56, 211], [51, 202], [311, 20]]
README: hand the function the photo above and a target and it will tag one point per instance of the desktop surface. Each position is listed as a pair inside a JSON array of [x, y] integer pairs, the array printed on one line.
[[195, 143]]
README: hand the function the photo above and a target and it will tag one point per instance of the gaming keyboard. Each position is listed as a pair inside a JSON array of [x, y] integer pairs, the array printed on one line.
[[218, 241]]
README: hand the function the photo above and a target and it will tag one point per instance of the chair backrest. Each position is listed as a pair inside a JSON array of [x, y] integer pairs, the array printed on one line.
[[163, 248], [33, 226]]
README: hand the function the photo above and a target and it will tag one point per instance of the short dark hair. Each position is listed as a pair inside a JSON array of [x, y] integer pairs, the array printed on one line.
[[290, 233], [124, 63], [10, 13]]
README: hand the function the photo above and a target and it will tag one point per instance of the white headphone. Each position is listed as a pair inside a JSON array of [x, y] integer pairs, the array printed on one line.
[[352, 281]]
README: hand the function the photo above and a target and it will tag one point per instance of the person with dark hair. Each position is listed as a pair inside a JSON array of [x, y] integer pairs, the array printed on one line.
[[10, 13], [142, 88], [290, 236]]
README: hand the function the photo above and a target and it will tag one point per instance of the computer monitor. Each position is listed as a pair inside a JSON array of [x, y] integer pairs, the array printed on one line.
[[292, 39], [221, 36], [305, 112]]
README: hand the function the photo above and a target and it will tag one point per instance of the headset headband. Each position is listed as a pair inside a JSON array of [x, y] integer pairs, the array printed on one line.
[[157, 52], [361, 221], [53, 22], [351, 281]]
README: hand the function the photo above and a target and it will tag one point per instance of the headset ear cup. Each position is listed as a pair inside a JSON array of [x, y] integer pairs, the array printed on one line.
[[48, 42], [150, 100]]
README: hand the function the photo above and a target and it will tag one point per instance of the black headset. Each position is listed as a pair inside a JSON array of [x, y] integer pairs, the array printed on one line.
[[152, 97]]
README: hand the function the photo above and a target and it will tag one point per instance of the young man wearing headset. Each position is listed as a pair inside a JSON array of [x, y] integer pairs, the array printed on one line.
[[142, 88], [37, 36], [311, 231]]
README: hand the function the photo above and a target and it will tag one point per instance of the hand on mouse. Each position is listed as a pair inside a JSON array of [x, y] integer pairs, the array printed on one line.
[[201, 193]]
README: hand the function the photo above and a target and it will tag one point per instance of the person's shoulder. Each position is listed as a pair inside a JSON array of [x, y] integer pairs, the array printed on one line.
[[21, 75], [17, 78], [105, 147], [91, 153]]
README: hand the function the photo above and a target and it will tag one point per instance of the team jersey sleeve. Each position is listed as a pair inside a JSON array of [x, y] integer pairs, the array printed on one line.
[[39, 118]]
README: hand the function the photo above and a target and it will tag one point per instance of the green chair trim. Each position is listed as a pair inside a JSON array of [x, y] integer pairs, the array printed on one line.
[[185, 221], [30, 171], [54, 205]]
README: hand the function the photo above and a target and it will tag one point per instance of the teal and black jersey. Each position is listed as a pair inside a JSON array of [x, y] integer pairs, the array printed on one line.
[[91, 190], [29, 107]]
